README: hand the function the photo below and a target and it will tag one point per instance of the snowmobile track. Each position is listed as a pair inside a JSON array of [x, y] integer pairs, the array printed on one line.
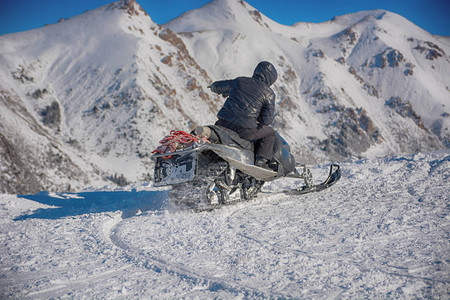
[[143, 259]]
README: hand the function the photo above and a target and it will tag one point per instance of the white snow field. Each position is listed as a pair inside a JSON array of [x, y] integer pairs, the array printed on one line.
[[381, 232]]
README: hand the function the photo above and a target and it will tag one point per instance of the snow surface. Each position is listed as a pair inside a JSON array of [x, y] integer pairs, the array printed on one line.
[[381, 232]]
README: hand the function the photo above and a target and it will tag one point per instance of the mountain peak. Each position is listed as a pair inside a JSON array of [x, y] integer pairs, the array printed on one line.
[[359, 16], [130, 6], [220, 14]]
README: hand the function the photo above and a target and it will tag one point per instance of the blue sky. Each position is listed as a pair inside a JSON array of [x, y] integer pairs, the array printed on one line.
[[431, 15]]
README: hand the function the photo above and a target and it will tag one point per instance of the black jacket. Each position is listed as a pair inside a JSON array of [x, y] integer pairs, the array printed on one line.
[[250, 101]]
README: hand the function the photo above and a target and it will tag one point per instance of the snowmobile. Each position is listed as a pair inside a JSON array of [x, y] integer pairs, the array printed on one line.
[[212, 166]]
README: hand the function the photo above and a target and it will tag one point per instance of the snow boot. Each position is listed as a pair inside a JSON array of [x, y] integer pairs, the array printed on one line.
[[263, 163]]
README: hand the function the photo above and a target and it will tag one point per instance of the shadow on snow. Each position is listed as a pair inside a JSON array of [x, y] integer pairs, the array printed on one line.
[[74, 204]]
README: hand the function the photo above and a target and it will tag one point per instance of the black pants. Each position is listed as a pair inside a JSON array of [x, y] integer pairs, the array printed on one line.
[[263, 137]]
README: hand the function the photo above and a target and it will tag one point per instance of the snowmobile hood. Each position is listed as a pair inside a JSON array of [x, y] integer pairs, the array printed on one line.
[[265, 72]]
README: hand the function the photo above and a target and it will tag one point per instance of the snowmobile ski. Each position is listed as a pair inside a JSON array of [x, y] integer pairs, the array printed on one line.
[[333, 177]]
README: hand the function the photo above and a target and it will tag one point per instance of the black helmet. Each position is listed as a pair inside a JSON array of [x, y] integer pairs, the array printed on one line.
[[265, 72]]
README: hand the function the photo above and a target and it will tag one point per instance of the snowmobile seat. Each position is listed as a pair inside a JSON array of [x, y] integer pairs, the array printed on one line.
[[229, 137]]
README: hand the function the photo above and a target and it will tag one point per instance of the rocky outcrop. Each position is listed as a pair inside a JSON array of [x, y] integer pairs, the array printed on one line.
[[31, 159], [355, 134], [405, 109]]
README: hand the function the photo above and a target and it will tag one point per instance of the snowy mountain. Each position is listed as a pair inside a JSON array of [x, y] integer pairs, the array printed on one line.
[[105, 87], [86, 100], [379, 233], [363, 84]]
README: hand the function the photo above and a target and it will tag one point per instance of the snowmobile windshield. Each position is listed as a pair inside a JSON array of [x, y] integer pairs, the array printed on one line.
[[265, 72]]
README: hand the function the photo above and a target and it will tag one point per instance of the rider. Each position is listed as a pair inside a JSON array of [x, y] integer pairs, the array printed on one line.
[[250, 109]]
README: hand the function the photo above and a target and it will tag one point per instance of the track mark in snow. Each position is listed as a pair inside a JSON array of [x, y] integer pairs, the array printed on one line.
[[59, 286], [143, 258]]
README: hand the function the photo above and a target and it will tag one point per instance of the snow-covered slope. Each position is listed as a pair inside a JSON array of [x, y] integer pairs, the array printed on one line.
[[108, 85], [31, 159], [380, 232], [99, 90]]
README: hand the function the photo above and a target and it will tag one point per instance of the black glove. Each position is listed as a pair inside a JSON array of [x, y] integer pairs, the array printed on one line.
[[213, 88]]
